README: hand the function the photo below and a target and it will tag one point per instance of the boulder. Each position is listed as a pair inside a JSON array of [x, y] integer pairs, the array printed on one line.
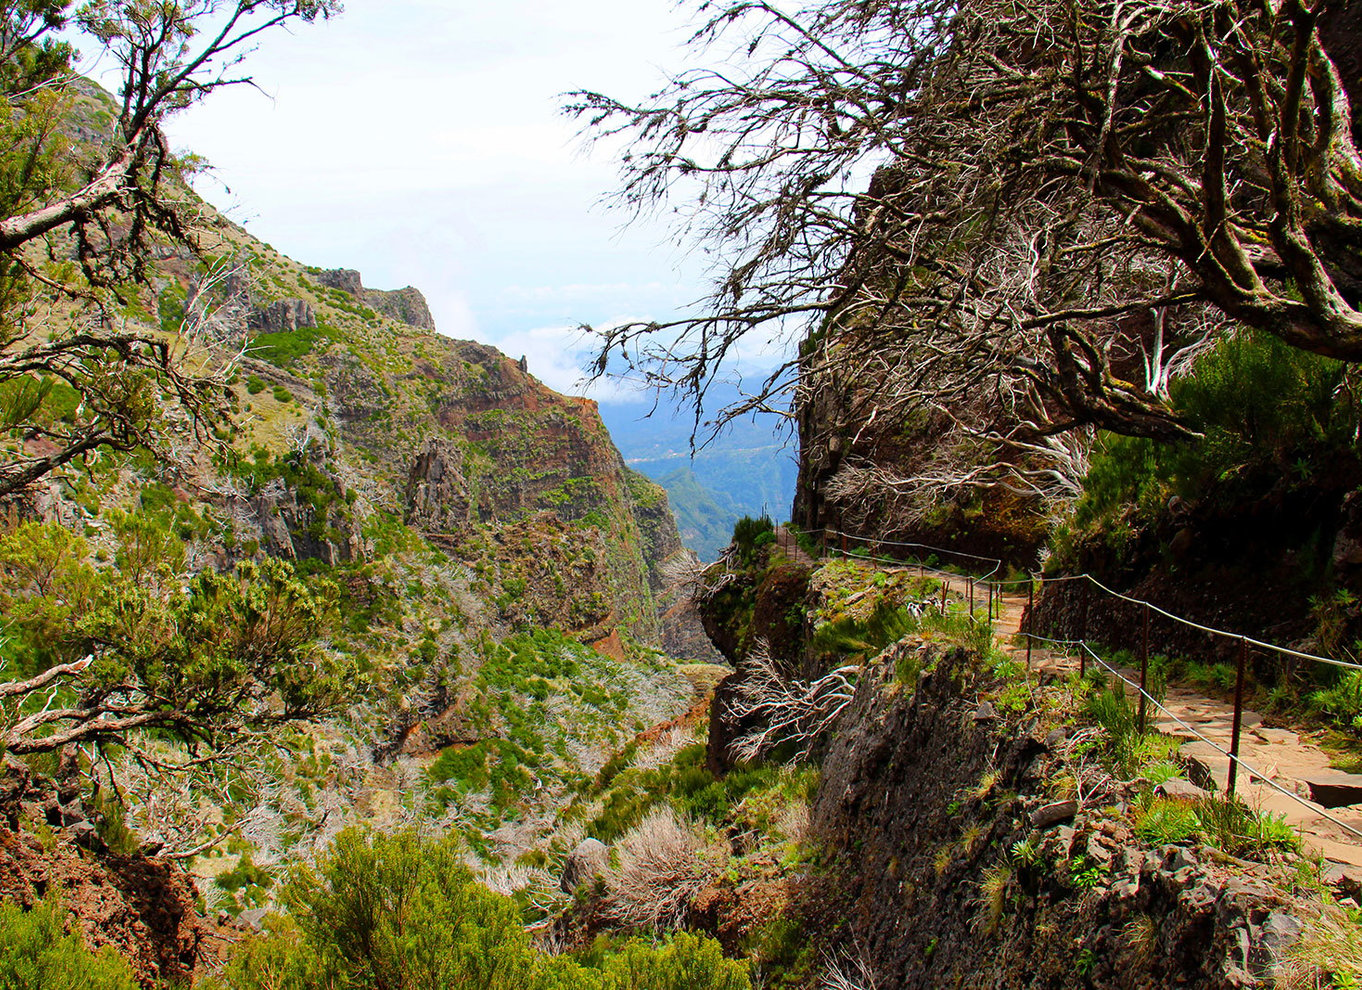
[[589, 860], [1176, 787], [1053, 814]]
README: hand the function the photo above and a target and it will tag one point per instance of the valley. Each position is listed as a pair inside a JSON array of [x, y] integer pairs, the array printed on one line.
[[1005, 635]]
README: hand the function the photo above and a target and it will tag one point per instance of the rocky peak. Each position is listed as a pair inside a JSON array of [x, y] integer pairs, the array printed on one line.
[[406, 305], [345, 279]]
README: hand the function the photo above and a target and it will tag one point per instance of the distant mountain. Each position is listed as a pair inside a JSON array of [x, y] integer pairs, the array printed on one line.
[[749, 469], [704, 517]]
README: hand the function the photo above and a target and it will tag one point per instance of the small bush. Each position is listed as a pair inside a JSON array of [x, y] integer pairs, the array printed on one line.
[[663, 863], [255, 384], [37, 954], [1165, 820], [750, 535], [381, 911], [1341, 703]]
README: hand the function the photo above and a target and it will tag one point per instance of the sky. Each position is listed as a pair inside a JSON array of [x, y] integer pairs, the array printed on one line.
[[420, 141]]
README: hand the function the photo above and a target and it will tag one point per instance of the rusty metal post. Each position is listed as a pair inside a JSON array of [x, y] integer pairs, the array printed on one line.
[[943, 598], [1238, 715], [844, 544], [1030, 613], [1144, 670], [921, 569], [970, 583], [990, 600], [823, 542]]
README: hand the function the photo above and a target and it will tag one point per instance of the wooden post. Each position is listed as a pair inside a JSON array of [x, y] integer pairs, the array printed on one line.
[[970, 583], [844, 544], [943, 597], [1030, 612], [1144, 670], [1238, 715]]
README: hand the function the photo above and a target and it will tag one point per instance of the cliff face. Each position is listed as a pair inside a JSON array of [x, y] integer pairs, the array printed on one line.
[[922, 802], [842, 432], [966, 831], [386, 418]]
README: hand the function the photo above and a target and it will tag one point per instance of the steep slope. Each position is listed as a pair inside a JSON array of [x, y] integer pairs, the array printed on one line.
[[496, 573]]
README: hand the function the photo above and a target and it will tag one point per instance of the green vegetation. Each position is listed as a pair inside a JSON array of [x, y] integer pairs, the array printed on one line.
[[165, 650], [37, 954], [538, 698], [1265, 410], [1225, 823], [399, 911], [747, 798], [284, 349], [750, 536]]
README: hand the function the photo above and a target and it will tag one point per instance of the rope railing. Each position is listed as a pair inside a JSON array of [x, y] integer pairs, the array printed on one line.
[[995, 585], [1230, 754]]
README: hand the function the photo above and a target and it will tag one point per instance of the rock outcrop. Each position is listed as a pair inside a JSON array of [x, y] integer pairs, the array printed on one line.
[[281, 317], [920, 808], [406, 305], [143, 906]]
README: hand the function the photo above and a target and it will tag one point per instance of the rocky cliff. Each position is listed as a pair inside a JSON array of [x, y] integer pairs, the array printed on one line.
[[383, 417], [972, 826]]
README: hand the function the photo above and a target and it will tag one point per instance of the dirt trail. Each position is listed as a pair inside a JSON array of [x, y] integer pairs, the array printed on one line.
[[786, 539], [1282, 755]]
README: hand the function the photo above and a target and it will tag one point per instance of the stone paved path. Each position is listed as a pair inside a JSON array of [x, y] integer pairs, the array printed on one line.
[[1284, 756]]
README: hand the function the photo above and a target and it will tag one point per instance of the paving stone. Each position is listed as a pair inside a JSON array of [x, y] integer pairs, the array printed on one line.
[[1335, 790]]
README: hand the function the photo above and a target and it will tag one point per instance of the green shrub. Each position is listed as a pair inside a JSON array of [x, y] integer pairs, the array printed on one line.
[[381, 911], [1164, 820], [37, 954], [750, 535], [867, 636], [1342, 702], [255, 384], [1259, 404], [684, 963]]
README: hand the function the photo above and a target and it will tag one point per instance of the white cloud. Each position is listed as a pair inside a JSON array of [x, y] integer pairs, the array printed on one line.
[[420, 142]]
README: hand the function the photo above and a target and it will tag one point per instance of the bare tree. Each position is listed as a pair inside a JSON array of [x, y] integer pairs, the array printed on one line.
[[785, 709], [83, 215], [1070, 198]]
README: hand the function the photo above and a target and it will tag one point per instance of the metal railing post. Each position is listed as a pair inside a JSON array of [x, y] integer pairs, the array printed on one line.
[[1144, 671], [943, 598], [1030, 616], [970, 584], [1238, 715]]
